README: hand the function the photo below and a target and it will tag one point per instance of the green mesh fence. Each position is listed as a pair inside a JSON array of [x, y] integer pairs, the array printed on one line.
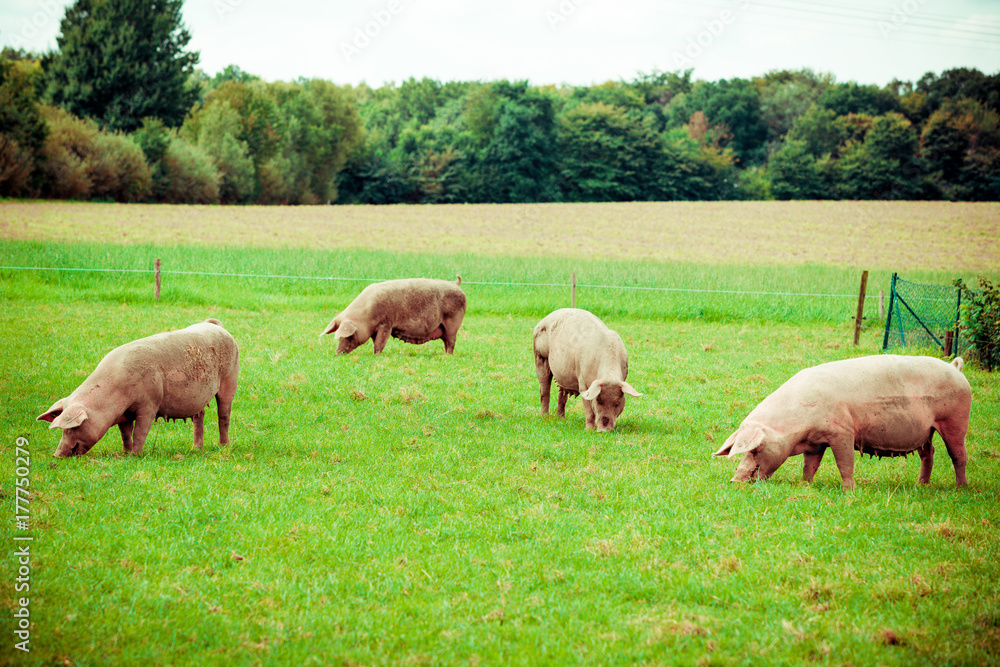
[[923, 316]]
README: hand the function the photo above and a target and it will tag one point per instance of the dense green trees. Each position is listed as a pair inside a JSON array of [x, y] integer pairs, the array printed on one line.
[[117, 112], [961, 144], [733, 106], [120, 61], [937, 139], [607, 155]]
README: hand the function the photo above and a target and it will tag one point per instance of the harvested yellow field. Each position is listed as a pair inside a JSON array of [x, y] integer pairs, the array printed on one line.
[[874, 235]]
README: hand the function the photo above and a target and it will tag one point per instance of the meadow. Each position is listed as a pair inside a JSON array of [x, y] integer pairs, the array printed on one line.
[[414, 507]]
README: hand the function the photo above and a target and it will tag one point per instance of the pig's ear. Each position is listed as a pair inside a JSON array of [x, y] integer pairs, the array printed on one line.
[[734, 444], [751, 444], [72, 417], [346, 329], [592, 391], [627, 388], [52, 413], [726, 446], [331, 327]]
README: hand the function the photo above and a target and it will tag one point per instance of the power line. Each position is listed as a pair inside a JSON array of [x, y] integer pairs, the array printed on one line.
[[912, 25], [919, 14], [852, 14]]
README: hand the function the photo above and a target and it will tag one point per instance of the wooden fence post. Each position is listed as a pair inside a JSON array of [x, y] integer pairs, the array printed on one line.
[[572, 294], [156, 279], [861, 307]]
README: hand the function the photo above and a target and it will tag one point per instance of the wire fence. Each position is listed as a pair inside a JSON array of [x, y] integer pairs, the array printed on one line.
[[928, 316], [220, 274]]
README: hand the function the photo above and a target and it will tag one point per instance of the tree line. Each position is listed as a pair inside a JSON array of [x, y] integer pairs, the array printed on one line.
[[152, 127]]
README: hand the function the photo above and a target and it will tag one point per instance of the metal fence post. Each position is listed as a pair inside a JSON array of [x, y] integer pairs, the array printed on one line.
[[888, 317]]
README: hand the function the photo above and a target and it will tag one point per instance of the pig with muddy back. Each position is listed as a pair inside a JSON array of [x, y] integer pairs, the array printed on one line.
[[414, 310], [171, 375], [586, 358], [881, 405]]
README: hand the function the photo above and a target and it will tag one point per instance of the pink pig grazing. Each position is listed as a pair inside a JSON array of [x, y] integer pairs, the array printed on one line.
[[882, 405], [585, 357], [414, 310], [172, 375]]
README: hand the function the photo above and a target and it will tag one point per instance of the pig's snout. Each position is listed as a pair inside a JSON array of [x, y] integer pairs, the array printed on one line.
[[66, 451], [746, 477], [68, 448], [749, 470]]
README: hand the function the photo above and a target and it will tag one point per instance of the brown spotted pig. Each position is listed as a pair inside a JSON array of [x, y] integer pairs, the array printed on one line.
[[414, 310]]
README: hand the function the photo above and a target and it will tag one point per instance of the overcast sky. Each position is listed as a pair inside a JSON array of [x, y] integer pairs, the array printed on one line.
[[566, 41]]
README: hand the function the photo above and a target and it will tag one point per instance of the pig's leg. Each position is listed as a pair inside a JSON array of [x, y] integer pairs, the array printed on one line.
[[381, 338], [544, 374], [926, 462], [126, 431], [842, 446], [450, 328], [561, 408], [953, 433], [143, 422], [811, 465], [199, 429], [224, 402], [588, 410]]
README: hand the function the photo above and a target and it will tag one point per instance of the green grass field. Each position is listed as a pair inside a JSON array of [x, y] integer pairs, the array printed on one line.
[[414, 508]]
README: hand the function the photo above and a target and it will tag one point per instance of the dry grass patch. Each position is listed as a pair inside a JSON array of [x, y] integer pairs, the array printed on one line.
[[946, 235]]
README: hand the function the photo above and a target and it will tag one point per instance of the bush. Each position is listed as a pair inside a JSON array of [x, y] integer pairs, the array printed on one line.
[[214, 130], [16, 166], [980, 317], [189, 175], [22, 129], [118, 169], [64, 154], [154, 140], [275, 184], [754, 184], [80, 162], [794, 173]]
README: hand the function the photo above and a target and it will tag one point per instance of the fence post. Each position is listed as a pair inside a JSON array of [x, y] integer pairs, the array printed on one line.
[[888, 314], [861, 307], [958, 322], [881, 305], [156, 279], [572, 293]]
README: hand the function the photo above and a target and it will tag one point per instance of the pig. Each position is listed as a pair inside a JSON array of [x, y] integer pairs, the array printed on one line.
[[881, 405], [414, 310], [172, 375], [586, 358]]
